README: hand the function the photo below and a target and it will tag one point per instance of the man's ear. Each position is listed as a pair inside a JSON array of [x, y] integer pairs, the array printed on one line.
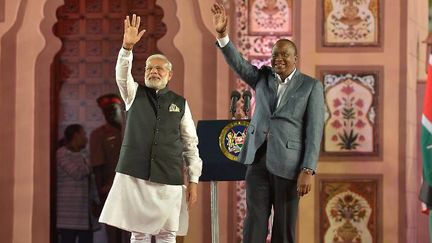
[[170, 74]]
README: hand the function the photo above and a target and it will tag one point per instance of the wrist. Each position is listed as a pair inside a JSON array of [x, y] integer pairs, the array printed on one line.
[[308, 171], [127, 47]]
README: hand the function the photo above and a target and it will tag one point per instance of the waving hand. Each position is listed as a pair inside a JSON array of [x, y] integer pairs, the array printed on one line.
[[131, 35], [220, 19]]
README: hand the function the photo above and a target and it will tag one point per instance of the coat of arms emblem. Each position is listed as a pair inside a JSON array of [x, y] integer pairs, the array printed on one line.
[[232, 138]]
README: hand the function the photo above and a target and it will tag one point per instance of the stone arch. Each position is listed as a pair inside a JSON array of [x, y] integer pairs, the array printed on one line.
[[93, 51]]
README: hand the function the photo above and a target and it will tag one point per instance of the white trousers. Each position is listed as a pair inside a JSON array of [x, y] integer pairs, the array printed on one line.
[[162, 237]]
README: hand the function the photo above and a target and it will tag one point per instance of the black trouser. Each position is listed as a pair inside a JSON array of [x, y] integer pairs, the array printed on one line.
[[116, 235], [70, 235], [264, 190]]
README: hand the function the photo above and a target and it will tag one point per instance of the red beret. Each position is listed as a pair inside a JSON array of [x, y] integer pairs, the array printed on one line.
[[108, 99]]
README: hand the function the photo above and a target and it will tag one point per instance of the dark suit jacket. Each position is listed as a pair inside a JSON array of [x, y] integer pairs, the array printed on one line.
[[294, 129]]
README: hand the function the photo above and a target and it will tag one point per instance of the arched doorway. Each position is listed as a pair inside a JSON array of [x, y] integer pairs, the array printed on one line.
[[91, 33]]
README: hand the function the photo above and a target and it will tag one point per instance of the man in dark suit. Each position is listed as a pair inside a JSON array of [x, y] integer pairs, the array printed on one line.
[[283, 138]]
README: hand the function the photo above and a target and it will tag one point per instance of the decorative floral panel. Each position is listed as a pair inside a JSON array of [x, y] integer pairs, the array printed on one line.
[[348, 209], [270, 17], [352, 113], [351, 22]]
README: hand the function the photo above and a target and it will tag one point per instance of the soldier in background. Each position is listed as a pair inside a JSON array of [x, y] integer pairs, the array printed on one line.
[[105, 144]]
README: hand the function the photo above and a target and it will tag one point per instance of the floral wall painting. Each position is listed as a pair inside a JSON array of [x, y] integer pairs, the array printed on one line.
[[348, 209], [270, 17], [351, 22], [260, 61], [352, 113]]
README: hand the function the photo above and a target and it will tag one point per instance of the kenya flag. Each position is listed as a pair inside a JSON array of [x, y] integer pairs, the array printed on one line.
[[426, 143], [426, 133]]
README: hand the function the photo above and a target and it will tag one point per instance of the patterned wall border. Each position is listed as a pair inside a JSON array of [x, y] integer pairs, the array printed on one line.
[[371, 179], [320, 47], [376, 155]]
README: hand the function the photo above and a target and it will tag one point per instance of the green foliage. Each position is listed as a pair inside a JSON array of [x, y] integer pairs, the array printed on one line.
[[349, 140]]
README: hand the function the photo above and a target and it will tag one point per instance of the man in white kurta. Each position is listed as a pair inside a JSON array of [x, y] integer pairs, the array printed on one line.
[[146, 205]]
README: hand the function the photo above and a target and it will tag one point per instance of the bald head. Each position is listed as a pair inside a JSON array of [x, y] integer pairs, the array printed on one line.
[[290, 44]]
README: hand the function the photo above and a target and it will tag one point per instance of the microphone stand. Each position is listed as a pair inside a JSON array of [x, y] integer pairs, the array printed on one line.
[[214, 213], [246, 106], [235, 96]]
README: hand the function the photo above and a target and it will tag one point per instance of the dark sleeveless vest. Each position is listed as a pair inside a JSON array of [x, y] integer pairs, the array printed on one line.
[[152, 147]]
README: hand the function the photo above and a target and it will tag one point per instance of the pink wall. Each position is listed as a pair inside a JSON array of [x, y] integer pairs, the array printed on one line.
[[28, 47]]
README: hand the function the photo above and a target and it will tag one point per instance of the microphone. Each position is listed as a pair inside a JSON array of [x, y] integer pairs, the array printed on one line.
[[246, 98], [235, 96]]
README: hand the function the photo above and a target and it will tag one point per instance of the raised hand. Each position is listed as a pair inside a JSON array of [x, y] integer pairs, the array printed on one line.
[[131, 35], [220, 19]]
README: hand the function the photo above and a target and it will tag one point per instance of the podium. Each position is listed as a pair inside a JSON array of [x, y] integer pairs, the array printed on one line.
[[220, 143]]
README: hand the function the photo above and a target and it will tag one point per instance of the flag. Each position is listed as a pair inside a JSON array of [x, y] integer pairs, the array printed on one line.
[[426, 132], [425, 194]]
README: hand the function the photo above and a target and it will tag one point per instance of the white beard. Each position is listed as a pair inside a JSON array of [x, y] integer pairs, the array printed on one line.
[[156, 83]]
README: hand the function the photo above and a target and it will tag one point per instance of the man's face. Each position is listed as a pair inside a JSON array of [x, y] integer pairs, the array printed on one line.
[[157, 74], [81, 139], [113, 114], [283, 59]]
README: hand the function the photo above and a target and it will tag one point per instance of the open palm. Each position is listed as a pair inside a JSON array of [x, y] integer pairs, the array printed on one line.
[[131, 31], [220, 20]]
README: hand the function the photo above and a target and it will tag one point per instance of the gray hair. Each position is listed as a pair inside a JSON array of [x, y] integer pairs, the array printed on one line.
[[160, 56]]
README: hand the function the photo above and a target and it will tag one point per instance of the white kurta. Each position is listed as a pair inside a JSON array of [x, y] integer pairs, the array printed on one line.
[[138, 205]]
